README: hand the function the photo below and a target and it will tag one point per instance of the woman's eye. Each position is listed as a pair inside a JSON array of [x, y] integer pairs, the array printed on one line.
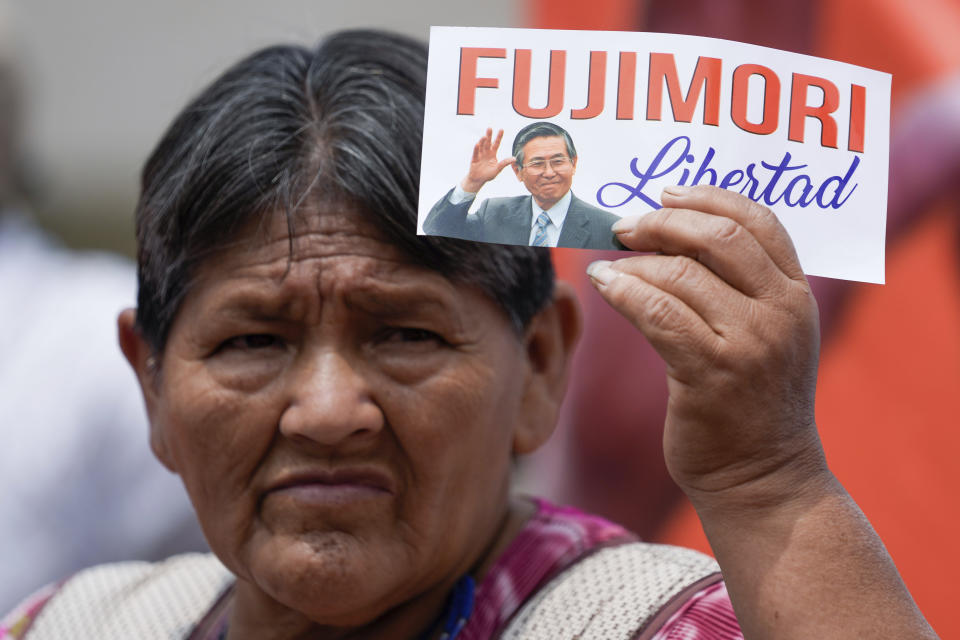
[[253, 341], [410, 334]]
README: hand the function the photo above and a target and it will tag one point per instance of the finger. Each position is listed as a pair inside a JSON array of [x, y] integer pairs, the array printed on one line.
[[721, 306], [496, 142], [681, 337], [721, 244], [504, 163], [485, 142], [756, 218]]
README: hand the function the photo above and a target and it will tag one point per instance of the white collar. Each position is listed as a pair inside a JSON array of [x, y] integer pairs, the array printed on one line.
[[557, 213]]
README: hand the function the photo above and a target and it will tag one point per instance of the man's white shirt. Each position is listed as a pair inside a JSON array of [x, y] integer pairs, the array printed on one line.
[[557, 214]]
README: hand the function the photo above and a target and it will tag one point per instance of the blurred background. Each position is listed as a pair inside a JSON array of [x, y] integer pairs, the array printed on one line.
[[103, 78], [96, 82]]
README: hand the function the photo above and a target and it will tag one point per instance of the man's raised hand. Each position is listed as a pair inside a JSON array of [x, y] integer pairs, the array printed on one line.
[[484, 165]]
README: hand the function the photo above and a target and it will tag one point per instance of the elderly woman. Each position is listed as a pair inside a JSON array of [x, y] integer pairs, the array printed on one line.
[[343, 399]]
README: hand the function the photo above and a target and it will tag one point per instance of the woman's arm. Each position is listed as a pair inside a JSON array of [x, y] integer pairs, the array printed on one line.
[[725, 303]]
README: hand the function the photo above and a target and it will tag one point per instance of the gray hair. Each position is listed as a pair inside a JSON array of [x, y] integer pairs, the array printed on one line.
[[291, 125]]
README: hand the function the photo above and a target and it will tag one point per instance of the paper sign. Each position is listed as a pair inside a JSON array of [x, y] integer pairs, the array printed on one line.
[[805, 136]]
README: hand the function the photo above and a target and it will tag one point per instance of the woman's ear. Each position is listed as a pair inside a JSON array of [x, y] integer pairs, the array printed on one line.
[[146, 366], [549, 341]]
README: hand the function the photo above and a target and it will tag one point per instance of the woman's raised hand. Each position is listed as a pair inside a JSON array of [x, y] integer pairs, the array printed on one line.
[[724, 301]]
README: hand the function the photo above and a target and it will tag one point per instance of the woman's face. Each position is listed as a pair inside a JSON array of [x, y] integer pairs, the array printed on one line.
[[343, 420]]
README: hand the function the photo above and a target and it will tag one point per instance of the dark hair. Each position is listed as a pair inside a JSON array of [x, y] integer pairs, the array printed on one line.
[[540, 130], [289, 124]]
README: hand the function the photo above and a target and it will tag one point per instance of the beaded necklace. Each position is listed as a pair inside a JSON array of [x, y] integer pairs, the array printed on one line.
[[458, 611]]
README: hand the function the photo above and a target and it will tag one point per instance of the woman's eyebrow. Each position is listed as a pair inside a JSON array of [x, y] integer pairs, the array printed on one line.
[[255, 306]]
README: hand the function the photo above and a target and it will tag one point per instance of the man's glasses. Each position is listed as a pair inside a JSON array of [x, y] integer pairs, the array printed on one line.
[[536, 167]]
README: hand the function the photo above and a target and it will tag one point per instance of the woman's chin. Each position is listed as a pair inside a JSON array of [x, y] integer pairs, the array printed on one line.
[[331, 578]]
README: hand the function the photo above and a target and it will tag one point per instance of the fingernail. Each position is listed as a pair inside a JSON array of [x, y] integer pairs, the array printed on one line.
[[601, 272], [626, 223], [676, 190]]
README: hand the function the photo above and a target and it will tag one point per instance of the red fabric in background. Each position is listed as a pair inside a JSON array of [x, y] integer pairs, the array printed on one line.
[[889, 388], [596, 14]]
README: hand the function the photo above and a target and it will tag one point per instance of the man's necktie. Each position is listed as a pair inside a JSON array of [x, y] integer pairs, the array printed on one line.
[[540, 237]]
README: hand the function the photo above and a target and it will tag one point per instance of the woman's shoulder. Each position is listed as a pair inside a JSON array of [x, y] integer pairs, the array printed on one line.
[[123, 600], [619, 592], [567, 568], [619, 587]]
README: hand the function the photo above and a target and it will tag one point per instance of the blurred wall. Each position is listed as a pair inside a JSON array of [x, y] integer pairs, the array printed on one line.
[[104, 77]]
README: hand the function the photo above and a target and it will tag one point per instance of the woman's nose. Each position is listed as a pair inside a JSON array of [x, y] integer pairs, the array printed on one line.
[[330, 402]]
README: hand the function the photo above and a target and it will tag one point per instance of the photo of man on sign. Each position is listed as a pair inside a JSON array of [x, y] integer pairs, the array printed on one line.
[[545, 160]]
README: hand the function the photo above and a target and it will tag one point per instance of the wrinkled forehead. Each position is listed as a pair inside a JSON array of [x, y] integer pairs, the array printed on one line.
[[338, 257], [328, 229]]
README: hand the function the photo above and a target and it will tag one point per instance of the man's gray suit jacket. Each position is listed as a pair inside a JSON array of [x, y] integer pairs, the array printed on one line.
[[509, 221]]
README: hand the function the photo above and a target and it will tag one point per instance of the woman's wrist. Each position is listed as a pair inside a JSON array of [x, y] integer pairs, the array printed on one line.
[[763, 489]]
